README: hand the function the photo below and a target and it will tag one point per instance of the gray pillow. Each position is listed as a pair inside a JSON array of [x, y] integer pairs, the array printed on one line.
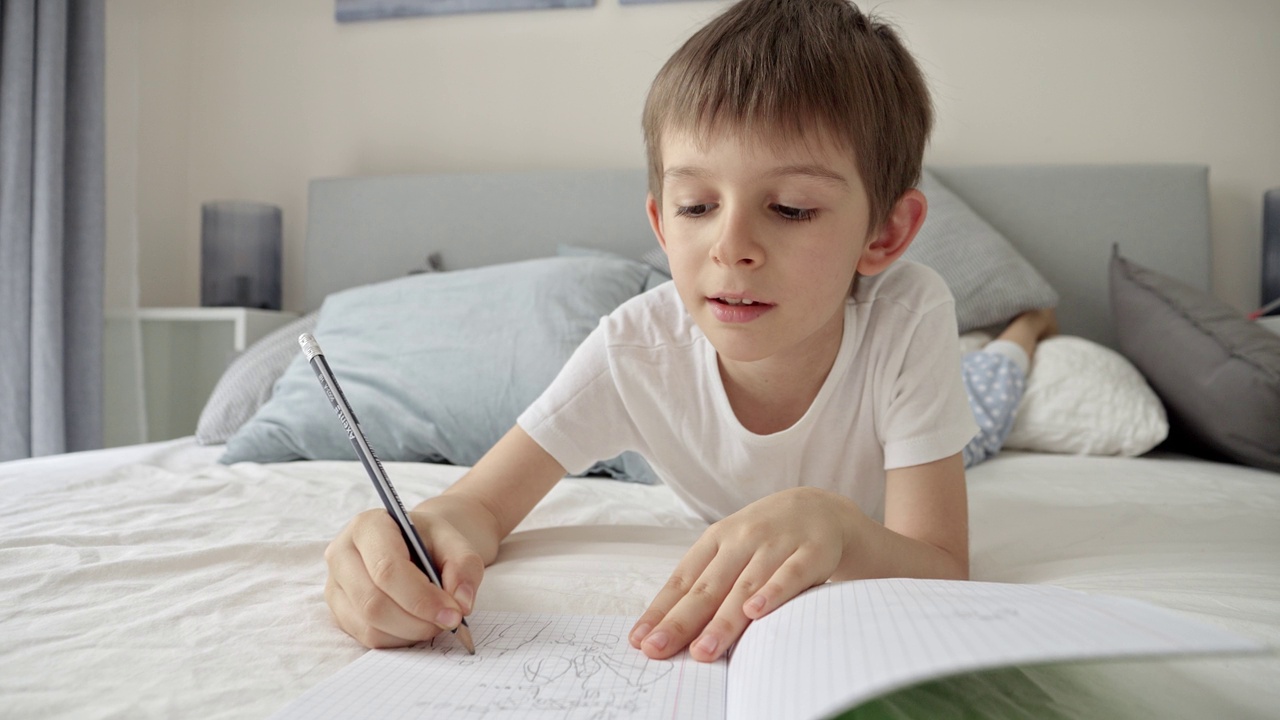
[[246, 383], [991, 282], [1217, 373], [437, 366]]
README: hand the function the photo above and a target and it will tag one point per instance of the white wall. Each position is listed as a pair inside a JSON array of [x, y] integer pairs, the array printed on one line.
[[214, 99]]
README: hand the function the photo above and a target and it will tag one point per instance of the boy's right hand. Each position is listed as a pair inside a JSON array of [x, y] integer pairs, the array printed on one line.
[[380, 598]]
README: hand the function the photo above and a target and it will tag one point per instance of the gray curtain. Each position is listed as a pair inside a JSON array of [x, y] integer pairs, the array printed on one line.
[[52, 225]]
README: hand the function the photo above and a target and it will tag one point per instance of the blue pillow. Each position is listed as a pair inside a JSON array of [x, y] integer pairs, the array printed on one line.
[[437, 366], [654, 258]]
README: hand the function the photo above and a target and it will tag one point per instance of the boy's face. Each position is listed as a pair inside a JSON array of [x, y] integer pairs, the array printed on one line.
[[764, 238]]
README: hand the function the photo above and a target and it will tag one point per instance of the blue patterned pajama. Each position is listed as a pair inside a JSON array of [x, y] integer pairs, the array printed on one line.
[[995, 378]]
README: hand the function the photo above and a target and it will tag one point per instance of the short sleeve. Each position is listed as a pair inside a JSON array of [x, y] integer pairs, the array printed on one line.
[[580, 418], [928, 417]]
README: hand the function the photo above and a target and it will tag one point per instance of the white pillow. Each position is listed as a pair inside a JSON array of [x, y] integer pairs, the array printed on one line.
[[1086, 399]]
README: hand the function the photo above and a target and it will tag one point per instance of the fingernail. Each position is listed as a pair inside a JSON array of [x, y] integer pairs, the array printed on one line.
[[465, 597], [707, 644], [756, 604], [448, 619], [657, 641], [638, 634]]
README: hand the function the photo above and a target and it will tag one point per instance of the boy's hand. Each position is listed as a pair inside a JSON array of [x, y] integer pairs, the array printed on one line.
[[380, 598], [745, 566]]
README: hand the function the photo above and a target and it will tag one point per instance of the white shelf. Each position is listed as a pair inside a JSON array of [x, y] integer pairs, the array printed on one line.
[[184, 351], [248, 324]]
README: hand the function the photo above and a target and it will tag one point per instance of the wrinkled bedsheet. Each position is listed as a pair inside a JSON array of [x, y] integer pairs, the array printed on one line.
[[151, 581]]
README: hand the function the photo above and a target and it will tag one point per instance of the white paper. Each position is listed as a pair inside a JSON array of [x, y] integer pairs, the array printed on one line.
[[842, 644], [526, 666], [830, 649]]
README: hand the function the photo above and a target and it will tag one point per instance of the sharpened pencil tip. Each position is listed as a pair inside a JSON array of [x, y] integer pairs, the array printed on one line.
[[464, 635]]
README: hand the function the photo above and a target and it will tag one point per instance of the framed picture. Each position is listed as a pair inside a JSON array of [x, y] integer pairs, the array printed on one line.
[[360, 10]]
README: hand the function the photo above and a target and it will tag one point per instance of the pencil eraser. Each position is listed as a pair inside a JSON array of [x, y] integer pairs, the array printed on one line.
[[310, 347]]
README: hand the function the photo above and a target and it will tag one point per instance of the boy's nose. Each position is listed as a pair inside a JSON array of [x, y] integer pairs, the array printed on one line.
[[736, 244]]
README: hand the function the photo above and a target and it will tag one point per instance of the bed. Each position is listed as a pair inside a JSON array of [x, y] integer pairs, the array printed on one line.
[[155, 581]]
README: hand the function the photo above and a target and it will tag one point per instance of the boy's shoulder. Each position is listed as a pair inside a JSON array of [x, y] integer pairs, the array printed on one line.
[[654, 318], [918, 288]]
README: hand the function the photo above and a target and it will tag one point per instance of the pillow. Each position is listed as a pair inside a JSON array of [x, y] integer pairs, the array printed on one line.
[[1217, 372], [991, 282], [246, 383], [437, 366], [655, 258], [1085, 399]]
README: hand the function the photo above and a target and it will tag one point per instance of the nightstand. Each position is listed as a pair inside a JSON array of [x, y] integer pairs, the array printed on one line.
[[184, 352]]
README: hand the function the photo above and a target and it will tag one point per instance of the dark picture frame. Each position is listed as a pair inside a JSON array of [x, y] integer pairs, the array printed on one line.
[[362, 10]]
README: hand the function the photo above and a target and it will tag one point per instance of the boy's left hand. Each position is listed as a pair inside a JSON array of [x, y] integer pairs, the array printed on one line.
[[745, 566]]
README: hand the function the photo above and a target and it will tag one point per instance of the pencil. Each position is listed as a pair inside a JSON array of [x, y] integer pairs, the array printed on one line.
[[373, 466]]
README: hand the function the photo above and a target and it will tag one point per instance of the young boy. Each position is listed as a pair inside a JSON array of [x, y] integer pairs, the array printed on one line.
[[794, 385]]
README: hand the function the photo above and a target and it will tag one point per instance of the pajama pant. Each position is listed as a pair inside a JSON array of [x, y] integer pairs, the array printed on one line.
[[995, 378]]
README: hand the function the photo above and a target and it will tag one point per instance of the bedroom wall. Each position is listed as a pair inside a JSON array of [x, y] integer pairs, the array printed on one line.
[[212, 99]]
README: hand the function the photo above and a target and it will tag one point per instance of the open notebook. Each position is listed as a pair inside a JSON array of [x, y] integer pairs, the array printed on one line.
[[830, 649]]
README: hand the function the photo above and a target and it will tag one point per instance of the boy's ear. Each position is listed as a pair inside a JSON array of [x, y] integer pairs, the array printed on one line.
[[895, 235], [655, 220]]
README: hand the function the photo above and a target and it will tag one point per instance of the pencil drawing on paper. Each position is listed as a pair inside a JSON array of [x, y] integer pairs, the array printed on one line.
[[530, 666]]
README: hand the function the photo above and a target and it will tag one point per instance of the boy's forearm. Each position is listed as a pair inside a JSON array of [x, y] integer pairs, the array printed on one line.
[[881, 552], [487, 503], [872, 550]]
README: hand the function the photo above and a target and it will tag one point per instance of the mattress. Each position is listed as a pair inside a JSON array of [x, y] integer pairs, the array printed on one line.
[[151, 581]]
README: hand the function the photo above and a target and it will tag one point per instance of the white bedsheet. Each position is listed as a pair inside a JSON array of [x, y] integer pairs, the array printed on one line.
[[152, 582]]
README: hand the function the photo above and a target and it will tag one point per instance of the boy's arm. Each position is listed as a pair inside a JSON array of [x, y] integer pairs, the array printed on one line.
[[751, 562], [507, 482], [926, 526], [379, 597]]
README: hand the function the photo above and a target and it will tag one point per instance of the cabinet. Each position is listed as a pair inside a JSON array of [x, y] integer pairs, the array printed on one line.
[[183, 352]]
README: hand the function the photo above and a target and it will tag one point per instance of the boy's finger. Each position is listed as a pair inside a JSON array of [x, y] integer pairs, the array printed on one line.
[[682, 578], [355, 626], [695, 608], [793, 577], [461, 567], [386, 561], [729, 620], [365, 604]]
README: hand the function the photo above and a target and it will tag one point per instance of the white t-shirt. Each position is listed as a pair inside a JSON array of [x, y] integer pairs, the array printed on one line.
[[647, 379]]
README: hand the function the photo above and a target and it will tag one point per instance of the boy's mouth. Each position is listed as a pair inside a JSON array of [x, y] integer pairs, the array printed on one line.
[[737, 308], [736, 300]]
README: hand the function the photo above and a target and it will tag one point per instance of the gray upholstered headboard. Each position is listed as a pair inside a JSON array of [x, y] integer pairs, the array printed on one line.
[[1063, 218]]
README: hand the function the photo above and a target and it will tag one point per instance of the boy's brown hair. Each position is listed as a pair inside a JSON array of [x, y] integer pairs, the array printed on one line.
[[799, 66]]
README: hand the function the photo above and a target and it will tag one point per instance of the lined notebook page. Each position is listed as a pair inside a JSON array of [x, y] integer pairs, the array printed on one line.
[[526, 666], [842, 644]]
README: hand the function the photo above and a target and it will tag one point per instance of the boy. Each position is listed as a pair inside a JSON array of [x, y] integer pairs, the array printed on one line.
[[792, 385]]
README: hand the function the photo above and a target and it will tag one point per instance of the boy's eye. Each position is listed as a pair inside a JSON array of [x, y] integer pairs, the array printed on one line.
[[693, 210], [790, 213]]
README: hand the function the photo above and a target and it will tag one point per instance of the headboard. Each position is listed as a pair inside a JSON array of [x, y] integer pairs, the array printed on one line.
[[1063, 218]]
